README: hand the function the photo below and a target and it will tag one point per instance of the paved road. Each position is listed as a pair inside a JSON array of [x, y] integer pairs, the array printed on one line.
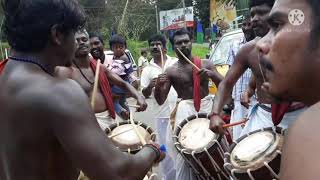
[[147, 116]]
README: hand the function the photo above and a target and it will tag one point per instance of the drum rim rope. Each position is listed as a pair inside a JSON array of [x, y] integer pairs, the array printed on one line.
[[230, 168]]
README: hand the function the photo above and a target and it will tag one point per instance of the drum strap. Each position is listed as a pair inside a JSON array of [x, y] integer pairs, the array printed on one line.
[[105, 88], [196, 84]]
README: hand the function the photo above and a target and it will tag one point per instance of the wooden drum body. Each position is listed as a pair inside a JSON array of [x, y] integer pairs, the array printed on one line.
[[202, 149], [256, 155]]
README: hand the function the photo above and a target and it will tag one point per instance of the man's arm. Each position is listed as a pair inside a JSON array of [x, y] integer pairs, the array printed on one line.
[[239, 66], [162, 88], [146, 84], [249, 92], [116, 80], [211, 72], [73, 123], [301, 146]]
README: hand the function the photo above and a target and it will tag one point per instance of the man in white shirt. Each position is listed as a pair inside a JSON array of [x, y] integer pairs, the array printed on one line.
[[142, 61], [148, 79]]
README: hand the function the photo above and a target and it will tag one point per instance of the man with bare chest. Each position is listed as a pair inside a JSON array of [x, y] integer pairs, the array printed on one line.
[[260, 115], [191, 86], [47, 127], [83, 72]]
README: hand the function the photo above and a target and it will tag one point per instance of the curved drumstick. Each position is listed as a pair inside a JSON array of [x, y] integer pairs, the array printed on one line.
[[188, 60], [95, 86], [235, 124], [162, 59], [143, 141]]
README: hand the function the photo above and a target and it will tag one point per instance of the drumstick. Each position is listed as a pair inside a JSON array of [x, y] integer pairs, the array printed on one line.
[[143, 141], [115, 135], [190, 62], [95, 86], [235, 124], [162, 59], [133, 106]]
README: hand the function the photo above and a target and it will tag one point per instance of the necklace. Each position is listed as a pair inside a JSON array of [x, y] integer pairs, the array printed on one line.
[[90, 82], [32, 61]]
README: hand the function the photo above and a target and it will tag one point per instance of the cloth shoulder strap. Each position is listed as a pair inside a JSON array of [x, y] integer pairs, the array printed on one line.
[[105, 88], [196, 84]]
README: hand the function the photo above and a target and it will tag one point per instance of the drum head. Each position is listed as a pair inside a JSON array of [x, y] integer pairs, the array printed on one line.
[[129, 139], [255, 149], [196, 135]]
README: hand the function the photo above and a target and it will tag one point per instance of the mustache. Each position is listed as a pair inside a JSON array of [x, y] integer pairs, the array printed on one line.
[[266, 64]]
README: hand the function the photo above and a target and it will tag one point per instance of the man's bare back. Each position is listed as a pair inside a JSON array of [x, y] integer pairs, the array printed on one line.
[[48, 128], [30, 130]]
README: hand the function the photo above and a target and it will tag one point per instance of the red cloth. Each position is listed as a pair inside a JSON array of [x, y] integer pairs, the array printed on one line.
[[196, 84], [105, 88], [278, 111], [2, 64]]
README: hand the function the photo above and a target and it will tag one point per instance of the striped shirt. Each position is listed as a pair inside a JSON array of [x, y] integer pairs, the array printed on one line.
[[244, 80]]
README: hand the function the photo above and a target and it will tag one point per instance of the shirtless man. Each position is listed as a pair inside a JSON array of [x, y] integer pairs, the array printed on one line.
[[82, 72], [260, 115], [290, 54], [48, 129], [180, 76]]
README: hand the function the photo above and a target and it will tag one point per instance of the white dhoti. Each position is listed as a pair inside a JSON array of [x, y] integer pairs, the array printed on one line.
[[290, 117], [185, 109], [258, 118], [239, 113], [166, 166], [104, 119]]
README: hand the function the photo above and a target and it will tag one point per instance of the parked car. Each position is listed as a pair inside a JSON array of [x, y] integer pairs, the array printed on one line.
[[219, 54]]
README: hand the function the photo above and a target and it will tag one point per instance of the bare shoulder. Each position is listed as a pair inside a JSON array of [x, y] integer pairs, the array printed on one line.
[[248, 47], [309, 119], [63, 72], [172, 69], [51, 95], [301, 145]]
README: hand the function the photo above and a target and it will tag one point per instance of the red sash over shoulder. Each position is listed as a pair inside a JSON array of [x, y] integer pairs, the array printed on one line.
[[105, 88], [196, 84], [2, 65]]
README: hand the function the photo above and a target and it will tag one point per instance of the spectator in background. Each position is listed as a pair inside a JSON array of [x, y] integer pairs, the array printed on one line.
[[122, 66], [142, 61], [97, 46]]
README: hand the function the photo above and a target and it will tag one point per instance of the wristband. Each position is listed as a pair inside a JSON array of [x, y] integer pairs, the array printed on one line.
[[156, 149]]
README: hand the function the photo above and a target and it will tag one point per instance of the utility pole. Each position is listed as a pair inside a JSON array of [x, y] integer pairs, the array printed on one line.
[[157, 18], [184, 13]]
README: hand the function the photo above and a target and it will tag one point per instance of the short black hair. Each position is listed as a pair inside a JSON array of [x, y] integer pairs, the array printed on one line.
[[158, 37], [117, 39], [315, 32], [180, 32], [28, 23], [143, 51], [254, 3], [97, 35]]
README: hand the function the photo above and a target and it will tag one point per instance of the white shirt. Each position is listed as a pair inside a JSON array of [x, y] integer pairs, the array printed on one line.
[[153, 71], [142, 61]]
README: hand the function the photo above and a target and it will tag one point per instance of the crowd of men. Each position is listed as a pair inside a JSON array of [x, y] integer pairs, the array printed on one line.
[[49, 129]]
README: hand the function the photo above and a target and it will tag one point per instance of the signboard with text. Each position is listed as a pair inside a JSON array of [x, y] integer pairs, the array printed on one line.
[[176, 18]]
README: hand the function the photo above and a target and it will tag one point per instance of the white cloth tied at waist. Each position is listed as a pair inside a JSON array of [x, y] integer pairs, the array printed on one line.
[[104, 119]]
